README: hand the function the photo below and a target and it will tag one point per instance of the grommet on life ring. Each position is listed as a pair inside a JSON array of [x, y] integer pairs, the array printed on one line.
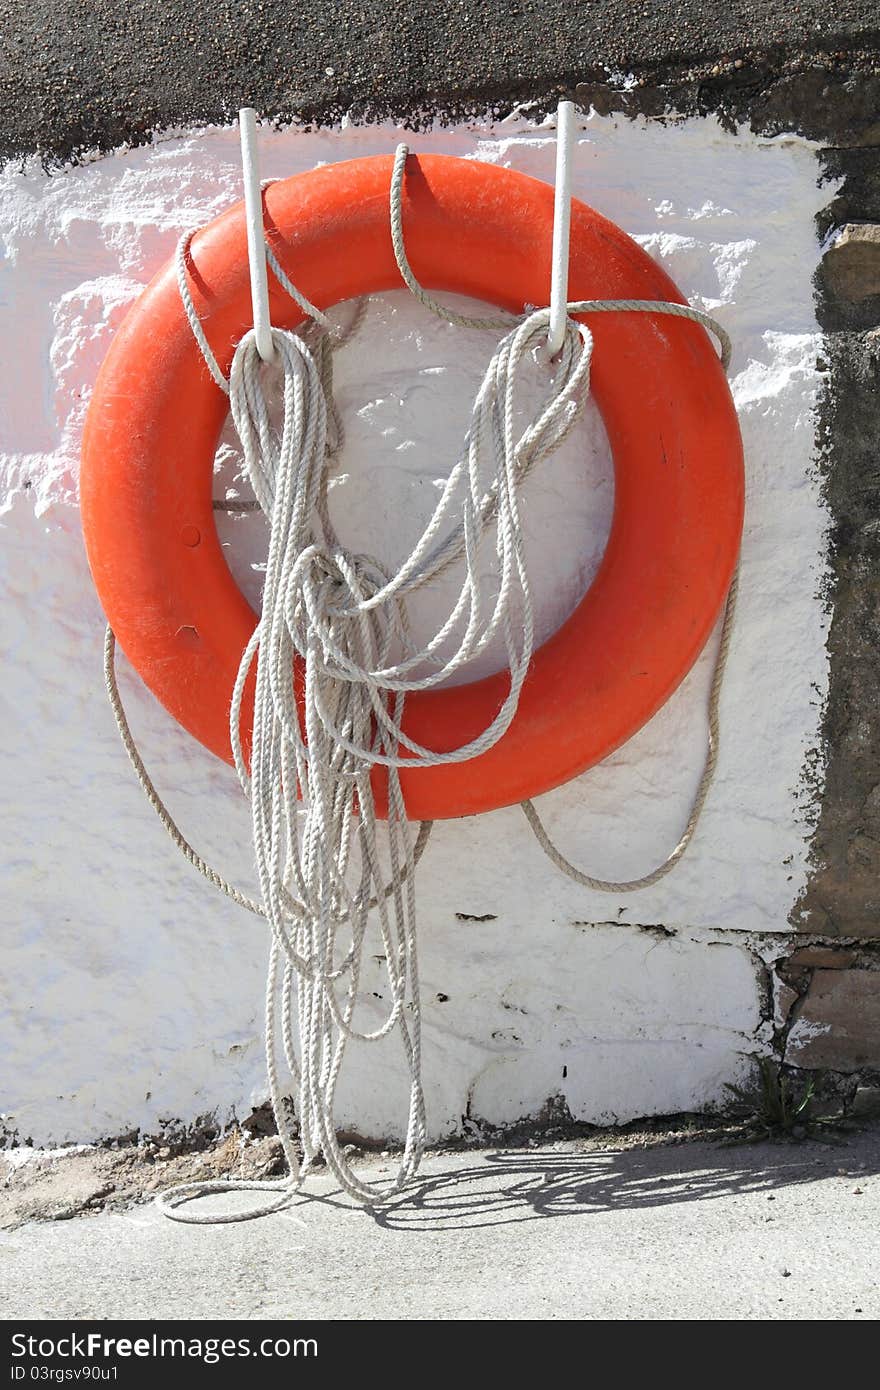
[[155, 419]]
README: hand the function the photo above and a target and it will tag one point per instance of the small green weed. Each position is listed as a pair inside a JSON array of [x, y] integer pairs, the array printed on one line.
[[776, 1108]]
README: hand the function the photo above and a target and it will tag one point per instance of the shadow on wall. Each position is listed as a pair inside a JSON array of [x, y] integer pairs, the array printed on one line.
[[511, 1187]]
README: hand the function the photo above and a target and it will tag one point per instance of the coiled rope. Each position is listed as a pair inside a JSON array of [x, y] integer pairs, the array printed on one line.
[[323, 876]]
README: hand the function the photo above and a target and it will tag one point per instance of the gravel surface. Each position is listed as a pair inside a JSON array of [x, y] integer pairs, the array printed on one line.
[[57, 1184], [79, 75]]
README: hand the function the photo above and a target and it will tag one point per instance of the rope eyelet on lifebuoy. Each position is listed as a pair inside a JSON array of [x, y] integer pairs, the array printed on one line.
[[473, 229]]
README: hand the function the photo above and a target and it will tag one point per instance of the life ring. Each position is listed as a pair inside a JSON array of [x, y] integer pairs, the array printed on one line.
[[155, 418]]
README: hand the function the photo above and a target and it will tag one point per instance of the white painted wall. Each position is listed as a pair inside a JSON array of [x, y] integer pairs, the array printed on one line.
[[130, 993]]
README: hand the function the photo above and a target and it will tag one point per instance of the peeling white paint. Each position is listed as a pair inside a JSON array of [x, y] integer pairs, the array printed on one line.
[[130, 993], [803, 1031], [25, 1154]]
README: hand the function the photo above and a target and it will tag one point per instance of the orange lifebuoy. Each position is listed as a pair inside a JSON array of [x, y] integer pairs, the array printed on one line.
[[156, 416]]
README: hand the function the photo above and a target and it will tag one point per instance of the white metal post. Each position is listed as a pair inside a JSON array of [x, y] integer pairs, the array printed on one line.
[[565, 132], [253, 202]]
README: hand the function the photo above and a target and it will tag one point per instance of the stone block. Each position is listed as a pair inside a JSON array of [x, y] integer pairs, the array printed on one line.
[[851, 265], [838, 1024]]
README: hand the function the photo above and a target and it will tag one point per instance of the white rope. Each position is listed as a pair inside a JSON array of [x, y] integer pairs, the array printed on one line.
[[171, 827], [342, 618], [181, 255], [595, 306], [506, 321], [633, 885]]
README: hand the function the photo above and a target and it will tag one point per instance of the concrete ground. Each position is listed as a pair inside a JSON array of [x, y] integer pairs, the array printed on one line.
[[672, 1231]]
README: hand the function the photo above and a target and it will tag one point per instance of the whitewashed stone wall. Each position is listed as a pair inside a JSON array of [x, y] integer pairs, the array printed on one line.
[[130, 994]]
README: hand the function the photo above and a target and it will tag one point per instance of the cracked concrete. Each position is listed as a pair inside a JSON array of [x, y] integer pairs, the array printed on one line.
[[628, 1229]]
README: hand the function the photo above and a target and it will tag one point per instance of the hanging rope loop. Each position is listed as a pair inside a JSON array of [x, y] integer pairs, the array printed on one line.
[[343, 617], [330, 869]]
